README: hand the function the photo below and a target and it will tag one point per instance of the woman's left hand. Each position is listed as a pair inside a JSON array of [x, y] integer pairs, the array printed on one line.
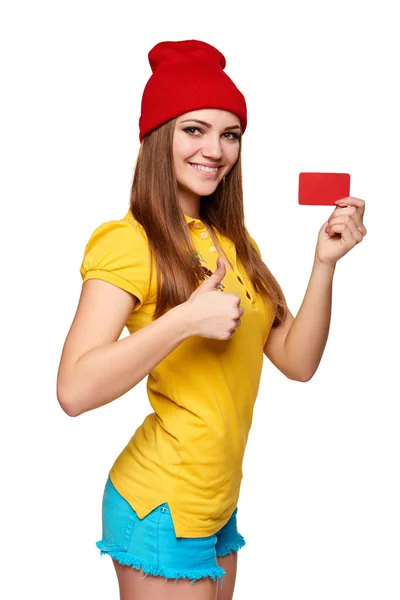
[[342, 231]]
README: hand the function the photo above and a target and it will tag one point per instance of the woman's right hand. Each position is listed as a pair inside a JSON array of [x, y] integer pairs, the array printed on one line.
[[211, 313]]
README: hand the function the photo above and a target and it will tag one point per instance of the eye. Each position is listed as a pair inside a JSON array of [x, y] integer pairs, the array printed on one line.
[[190, 130], [235, 136]]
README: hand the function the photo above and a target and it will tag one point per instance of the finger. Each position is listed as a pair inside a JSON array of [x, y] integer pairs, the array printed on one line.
[[355, 231], [344, 232], [239, 314], [237, 299], [215, 279], [349, 221], [356, 216], [339, 212], [348, 231], [352, 201]]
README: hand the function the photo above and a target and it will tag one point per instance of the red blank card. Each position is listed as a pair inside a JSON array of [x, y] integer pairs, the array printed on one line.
[[323, 189]]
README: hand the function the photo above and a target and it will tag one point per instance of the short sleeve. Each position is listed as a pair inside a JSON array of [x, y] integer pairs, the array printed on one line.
[[118, 252]]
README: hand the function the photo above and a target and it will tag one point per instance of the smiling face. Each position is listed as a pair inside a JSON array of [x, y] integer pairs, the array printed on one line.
[[205, 148]]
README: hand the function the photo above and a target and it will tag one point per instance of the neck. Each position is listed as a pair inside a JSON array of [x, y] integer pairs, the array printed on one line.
[[190, 204]]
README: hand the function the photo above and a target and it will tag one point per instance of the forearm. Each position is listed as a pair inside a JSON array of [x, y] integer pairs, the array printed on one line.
[[106, 373], [307, 337]]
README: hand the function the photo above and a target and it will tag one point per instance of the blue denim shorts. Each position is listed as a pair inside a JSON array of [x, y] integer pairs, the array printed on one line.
[[151, 544]]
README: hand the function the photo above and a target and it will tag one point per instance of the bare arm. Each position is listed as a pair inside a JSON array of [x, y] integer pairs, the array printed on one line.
[[297, 345], [96, 367]]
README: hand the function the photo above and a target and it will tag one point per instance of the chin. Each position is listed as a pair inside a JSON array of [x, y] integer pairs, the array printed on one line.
[[204, 189]]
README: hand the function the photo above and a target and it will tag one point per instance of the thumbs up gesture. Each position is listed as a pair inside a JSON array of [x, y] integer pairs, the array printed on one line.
[[210, 313]]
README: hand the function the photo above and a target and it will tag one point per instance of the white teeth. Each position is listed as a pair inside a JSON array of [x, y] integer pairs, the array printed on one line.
[[207, 169]]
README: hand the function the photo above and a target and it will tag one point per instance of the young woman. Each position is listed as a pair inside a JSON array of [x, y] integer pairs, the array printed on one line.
[[182, 273]]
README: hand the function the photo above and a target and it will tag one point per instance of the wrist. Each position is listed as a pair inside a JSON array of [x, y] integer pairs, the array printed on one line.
[[182, 320], [324, 267]]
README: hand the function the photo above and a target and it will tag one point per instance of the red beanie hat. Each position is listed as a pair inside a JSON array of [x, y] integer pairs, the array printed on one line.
[[187, 75]]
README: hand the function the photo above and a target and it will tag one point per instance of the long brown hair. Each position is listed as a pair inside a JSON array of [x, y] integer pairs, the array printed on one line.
[[154, 204]]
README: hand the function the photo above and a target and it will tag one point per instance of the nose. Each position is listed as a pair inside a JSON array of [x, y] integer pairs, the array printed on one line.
[[212, 147]]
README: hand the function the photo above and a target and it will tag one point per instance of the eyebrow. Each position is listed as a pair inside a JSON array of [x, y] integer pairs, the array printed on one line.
[[208, 124]]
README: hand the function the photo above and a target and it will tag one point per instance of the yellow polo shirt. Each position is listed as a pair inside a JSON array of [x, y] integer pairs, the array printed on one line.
[[189, 450]]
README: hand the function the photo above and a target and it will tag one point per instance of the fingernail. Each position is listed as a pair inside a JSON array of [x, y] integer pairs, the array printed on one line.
[[339, 202]]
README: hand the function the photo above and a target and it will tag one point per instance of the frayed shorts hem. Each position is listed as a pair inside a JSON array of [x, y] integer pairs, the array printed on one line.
[[232, 548], [128, 560]]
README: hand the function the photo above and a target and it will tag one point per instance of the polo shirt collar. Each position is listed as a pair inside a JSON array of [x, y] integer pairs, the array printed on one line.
[[189, 219]]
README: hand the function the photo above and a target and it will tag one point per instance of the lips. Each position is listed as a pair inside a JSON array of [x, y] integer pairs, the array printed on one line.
[[206, 165], [204, 171]]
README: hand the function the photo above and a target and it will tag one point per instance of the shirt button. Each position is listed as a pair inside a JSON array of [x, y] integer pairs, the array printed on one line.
[[213, 249], [203, 235], [198, 225]]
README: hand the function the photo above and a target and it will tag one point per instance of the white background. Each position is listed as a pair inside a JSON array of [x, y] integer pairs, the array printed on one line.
[[320, 496]]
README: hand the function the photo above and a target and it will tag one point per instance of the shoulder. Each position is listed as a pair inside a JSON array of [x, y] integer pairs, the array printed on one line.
[[126, 231], [115, 244]]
